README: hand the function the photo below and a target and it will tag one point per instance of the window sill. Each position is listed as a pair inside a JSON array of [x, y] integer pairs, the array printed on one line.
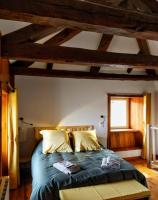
[[123, 130]]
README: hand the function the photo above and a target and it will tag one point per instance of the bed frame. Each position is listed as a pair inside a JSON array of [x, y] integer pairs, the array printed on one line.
[[38, 136]]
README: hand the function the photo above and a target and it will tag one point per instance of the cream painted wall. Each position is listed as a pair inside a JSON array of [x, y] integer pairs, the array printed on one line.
[[51, 101]]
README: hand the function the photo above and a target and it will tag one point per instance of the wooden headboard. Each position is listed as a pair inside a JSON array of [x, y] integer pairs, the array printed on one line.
[[38, 136]]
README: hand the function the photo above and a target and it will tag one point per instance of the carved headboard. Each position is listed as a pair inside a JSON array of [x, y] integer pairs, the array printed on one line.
[[38, 136]]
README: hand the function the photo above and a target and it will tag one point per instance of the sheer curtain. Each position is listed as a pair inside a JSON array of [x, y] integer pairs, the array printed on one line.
[[13, 145]]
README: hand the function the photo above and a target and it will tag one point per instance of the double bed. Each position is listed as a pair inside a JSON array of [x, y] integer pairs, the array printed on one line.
[[47, 180]]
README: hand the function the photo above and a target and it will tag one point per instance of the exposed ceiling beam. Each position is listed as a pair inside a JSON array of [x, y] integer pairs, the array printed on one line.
[[30, 33], [105, 42], [129, 70], [79, 74], [58, 39], [106, 2], [63, 36], [94, 69], [144, 49], [84, 15], [49, 66], [152, 4], [60, 54], [103, 45], [21, 63], [143, 46]]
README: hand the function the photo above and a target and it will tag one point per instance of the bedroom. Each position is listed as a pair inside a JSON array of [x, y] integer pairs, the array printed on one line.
[[48, 101]]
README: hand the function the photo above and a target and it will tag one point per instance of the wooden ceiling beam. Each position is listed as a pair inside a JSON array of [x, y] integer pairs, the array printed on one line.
[[129, 70], [30, 33], [94, 69], [144, 49], [79, 74], [143, 46], [58, 39], [103, 46], [152, 4], [60, 54], [84, 15], [21, 63], [63, 36], [49, 66]]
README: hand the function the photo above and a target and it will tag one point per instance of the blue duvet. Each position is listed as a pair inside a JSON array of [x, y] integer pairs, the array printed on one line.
[[47, 181]]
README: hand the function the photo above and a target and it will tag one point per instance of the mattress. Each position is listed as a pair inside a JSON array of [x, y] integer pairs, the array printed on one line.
[[47, 180]]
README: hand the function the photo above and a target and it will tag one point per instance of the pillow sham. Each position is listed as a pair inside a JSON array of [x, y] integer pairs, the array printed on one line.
[[55, 141], [85, 140]]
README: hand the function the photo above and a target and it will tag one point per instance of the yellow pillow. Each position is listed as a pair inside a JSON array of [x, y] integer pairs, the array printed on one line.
[[55, 141], [85, 140]]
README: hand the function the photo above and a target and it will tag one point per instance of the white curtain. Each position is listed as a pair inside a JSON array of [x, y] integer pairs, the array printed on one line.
[[13, 145]]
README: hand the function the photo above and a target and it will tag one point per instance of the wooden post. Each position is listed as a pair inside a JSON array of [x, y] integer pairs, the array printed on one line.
[[149, 143], [4, 78]]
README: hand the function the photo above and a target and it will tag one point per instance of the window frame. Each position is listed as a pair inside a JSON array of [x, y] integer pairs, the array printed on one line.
[[127, 126]]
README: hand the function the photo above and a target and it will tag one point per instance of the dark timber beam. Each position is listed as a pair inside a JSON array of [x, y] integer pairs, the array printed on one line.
[[58, 39], [152, 4], [63, 36], [103, 45], [60, 54], [84, 15], [20, 63], [30, 33], [144, 49], [129, 70], [79, 74], [49, 66]]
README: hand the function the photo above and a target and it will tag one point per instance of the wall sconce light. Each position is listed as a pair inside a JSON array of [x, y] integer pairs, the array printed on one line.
[[102, 120], [24, 122], [23, 129]]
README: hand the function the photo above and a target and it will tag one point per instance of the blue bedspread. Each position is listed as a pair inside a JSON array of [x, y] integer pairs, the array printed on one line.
[[47, 181]]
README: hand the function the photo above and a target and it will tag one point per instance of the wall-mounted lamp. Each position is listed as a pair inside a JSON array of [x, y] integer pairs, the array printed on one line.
[[102, 120], [23, 127], [24, 122]]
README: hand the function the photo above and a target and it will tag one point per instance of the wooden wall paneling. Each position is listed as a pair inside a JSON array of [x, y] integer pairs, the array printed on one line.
[[137, 110], [122, 140], [137, 113]]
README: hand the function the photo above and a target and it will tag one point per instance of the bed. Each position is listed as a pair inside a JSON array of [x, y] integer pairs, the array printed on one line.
[[47, 181]]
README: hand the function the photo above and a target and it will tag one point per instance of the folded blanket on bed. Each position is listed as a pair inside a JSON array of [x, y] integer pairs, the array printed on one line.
[[111, 163], [67, 167]]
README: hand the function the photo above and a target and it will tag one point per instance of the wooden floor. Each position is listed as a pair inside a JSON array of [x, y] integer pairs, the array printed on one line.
[[23, 193]]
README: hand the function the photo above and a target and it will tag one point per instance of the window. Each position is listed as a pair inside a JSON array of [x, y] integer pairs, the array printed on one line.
[[119, 113]]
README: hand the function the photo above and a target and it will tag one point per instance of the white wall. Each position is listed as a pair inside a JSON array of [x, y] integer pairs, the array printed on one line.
[[51, 101]]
